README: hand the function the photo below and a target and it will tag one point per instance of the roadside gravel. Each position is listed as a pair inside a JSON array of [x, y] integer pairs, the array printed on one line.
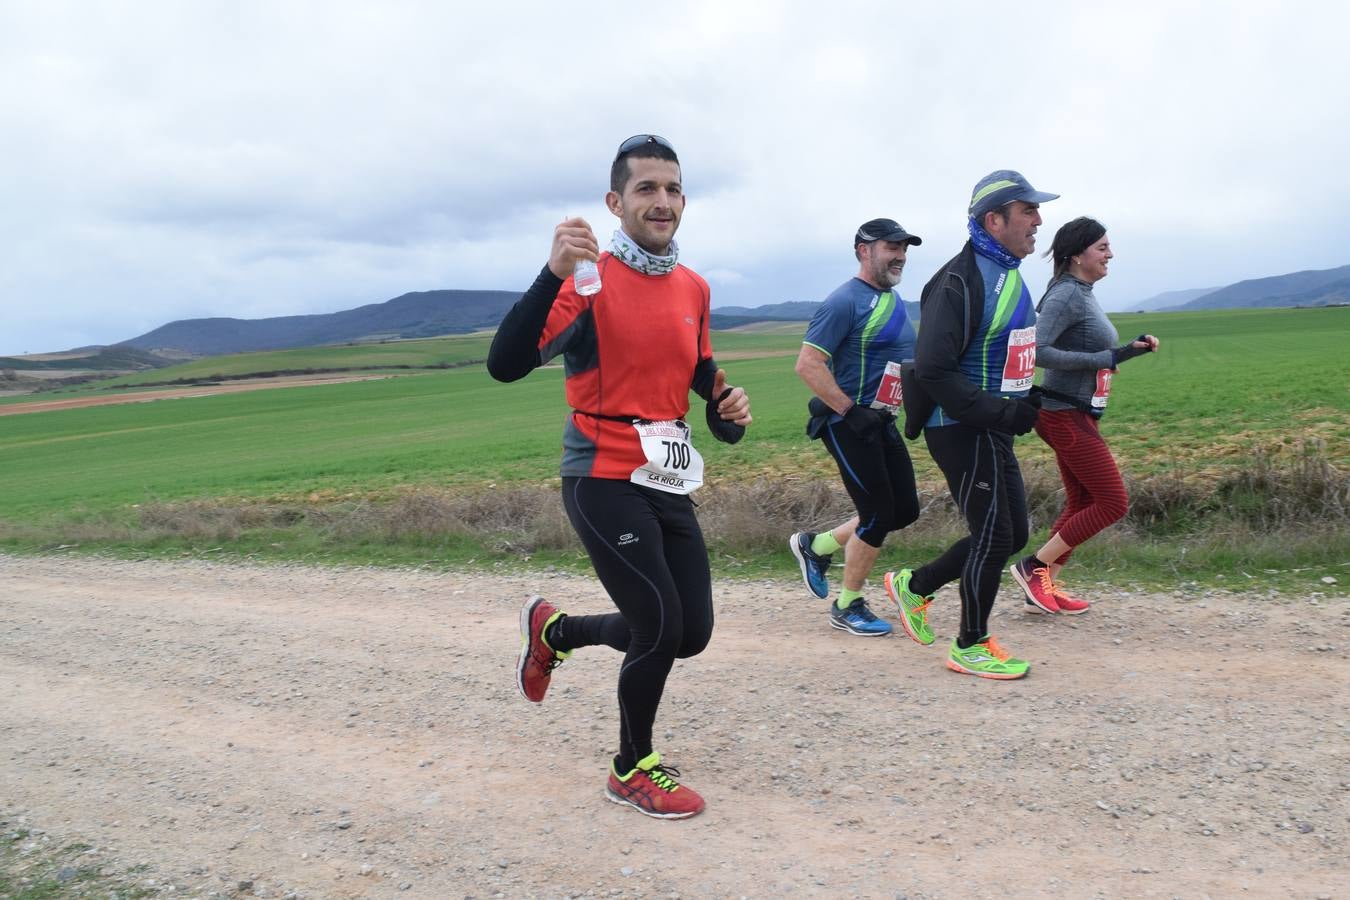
[[214, 729]]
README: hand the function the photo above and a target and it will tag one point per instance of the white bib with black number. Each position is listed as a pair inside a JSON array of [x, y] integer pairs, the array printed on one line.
[[673, 465]]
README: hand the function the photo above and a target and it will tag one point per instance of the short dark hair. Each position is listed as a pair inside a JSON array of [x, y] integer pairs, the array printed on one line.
[[1072, 239], [620, 172], [1001, 211]]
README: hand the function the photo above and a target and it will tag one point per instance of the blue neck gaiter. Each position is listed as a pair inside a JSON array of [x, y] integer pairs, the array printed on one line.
[[986, 246]]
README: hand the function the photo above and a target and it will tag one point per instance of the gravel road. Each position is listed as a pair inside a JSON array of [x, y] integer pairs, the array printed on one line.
[[289, 731]]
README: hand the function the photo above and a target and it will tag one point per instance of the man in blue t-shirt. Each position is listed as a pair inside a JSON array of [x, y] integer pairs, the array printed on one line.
[[850, 359]]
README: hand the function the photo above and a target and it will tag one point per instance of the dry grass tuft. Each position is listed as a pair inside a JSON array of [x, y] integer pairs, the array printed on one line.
[[214, 520], [1283, 488], [1273, 492]]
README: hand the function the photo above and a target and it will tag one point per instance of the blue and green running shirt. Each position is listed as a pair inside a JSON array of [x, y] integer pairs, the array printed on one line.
[[862, 329], [1001, 357]]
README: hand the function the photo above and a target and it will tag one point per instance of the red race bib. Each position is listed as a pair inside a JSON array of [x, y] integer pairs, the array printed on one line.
[[1103, 392], [1020, 367], [890, 395]]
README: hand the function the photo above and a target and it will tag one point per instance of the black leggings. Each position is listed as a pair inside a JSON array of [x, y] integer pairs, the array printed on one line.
[[986, 483], [878, 476], [648, 550]]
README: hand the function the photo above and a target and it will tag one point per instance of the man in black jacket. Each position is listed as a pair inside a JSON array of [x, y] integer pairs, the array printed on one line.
[[974, 361]]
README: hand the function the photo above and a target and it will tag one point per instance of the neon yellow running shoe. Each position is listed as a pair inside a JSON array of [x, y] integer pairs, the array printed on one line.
[[987, 660], [913, 609]]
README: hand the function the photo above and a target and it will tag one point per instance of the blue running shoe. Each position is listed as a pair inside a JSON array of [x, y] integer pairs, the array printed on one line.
[[858, 619], [813, 565]]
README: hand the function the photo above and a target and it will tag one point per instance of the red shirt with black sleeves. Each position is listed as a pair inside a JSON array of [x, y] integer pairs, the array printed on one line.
[[629, 352]]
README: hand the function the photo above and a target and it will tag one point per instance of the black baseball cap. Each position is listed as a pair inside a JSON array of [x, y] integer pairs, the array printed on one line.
[[884, 230]]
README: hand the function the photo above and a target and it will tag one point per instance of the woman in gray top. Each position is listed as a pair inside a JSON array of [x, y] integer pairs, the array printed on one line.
[[1076, 346]]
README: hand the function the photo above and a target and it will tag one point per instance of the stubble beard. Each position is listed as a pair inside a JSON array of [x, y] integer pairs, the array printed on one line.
[[885, 278]]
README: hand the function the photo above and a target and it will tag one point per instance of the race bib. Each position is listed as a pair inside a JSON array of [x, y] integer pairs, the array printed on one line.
[[1020, 367], [1103, 392], [673, 465], [890, 395]]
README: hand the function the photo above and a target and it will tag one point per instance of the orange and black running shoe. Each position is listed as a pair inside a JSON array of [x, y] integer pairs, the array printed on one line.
[[652, 790], [537, 660]]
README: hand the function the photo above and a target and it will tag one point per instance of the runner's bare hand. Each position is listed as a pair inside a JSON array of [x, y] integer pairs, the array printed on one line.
[[572, 240], [736, 407]]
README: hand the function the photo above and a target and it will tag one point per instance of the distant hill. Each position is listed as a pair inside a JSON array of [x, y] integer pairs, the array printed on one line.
[[1166, 300], [720, 322], [414, 315], [792, 311], [102, 359], [1314, 287], [432, 313], [727, 317]]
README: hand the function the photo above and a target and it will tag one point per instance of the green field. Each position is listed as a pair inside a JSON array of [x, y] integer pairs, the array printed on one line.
[[1226, 388], [456, 350]]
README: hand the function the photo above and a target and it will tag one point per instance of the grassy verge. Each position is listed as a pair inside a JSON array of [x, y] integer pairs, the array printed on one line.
[[32, 867], [1278, 524]]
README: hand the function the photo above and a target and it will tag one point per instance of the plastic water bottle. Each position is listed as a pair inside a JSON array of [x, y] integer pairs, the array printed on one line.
[[586, 277]]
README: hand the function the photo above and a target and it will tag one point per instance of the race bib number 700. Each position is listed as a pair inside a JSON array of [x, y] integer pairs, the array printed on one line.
[[673, 465]]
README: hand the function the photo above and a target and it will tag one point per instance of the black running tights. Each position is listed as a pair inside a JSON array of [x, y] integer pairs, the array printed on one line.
[[647, 548], [879, 478], [986, 483]]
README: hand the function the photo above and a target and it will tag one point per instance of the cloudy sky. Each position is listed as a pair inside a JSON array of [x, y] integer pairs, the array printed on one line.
[[168, 160]]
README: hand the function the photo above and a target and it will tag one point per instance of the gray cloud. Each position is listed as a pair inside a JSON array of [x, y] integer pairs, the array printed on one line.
[[164, 160]]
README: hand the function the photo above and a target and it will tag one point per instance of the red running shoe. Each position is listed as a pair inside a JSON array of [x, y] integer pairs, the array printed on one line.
[[1069, 605], [537, 659], [1037, 585], [652, 790]]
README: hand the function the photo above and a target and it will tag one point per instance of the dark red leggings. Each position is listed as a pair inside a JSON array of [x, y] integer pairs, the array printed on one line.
[[1093, 489]]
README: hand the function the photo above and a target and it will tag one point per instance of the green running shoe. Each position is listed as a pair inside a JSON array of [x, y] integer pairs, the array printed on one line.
[[987, 660], [913, 609]]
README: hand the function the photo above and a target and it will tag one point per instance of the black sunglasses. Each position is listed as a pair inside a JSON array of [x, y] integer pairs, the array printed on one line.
[[639, 140]]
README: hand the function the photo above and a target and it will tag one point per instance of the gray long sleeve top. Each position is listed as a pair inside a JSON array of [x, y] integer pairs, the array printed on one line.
[[1074, 339]]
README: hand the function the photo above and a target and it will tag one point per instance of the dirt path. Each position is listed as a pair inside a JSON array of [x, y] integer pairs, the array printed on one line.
[[357, 733]]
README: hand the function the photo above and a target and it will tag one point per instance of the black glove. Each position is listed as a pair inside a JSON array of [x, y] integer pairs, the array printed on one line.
[[864, 421], [1025, 416], [1034, 396], [1129, 351], [725, 431]]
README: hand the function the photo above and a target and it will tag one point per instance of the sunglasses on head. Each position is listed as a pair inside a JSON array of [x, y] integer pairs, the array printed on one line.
[[639, 140]]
